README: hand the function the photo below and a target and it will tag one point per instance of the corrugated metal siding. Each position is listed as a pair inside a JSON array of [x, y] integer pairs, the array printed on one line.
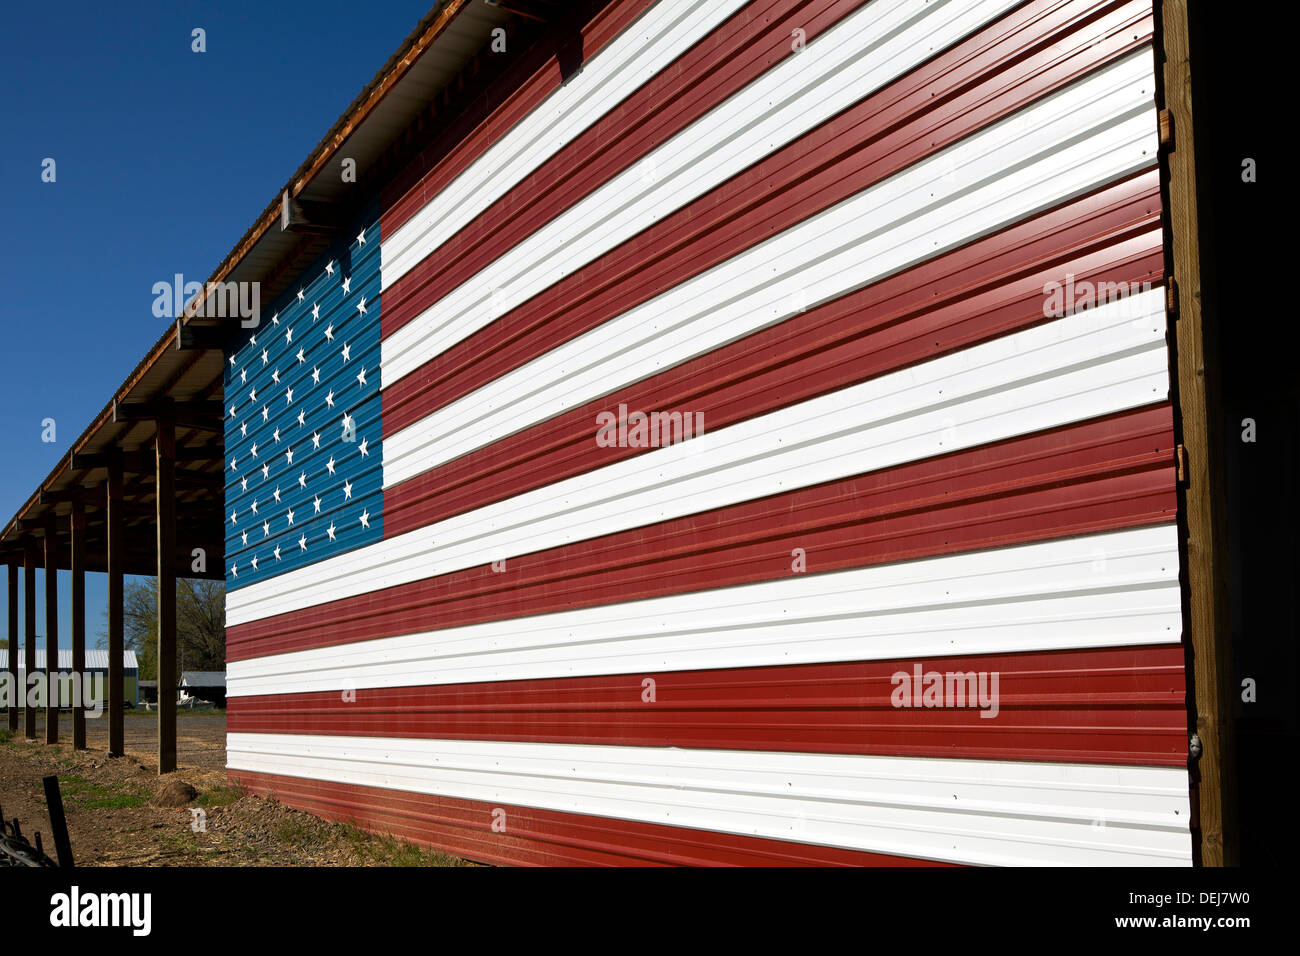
[[968, 811], [842, 257]]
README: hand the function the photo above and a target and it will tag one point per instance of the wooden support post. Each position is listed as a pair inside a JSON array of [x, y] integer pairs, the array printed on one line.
[[13, 645], [77, 558], [29, 633], [1203, 515], [116, 638], [51, 632], [165, 455]]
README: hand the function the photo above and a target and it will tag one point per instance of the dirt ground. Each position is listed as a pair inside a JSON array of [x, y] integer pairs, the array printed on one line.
[[117, 817]]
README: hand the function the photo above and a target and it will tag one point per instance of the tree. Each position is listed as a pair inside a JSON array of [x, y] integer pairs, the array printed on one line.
[[200, 625]]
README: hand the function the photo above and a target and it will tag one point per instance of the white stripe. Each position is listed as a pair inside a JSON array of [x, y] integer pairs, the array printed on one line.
[[1094, 363], [1104, 590], [661, 35], [1095, 131], [967, 811], [868, 49]]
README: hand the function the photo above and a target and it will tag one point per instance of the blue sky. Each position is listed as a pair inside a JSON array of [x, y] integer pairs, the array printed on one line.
[[163, 159]]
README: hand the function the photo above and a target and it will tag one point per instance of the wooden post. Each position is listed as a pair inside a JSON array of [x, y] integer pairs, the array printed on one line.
[[165, 456], [1208, 626], [51, 631], [29, 632], [13, 645], [77, 559], [116, 631]]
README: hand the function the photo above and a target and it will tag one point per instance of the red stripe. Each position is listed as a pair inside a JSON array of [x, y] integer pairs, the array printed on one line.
[[519, 91], [989, 288], [1106, 474], [1111, 706], [542, 837], [739, 51], [978, 82]]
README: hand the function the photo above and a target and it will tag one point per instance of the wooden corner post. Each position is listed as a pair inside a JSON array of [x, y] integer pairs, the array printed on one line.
[[1207, 631]]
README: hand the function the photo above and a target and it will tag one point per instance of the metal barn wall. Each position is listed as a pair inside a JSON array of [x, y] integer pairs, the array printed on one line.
[[857, 242]]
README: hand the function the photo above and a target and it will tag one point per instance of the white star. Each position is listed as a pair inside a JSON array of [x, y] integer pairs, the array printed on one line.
[[315, 440], [254, 506], [254, 449], [277, 552], [252, 340], [234, 569], [300, 295], [289, 515], [266, 529], [302, 542], [276, 436], [315, 376], [330, 531], [288, 337], [347, 351], [243, 429], [302, 479], [329, 399], [275, 319], [243, 376], [347, 491], [275, 376], [361, 379], [347, 422], [361, 306], [232, 358], [243, 484], [316, 503], [233, 516], [288, 396], [361, 238], [362, 449], [265, 413], [254, 562], [365, 518], [232, 464], [277, 494], [288, 455], [232, 411], [302, 417], [265, 357], [266, 472], [347, 287], [315, 311], [329, 332], [301, 358], [329, 268], [329, 465], [252, 396], [244, 536]]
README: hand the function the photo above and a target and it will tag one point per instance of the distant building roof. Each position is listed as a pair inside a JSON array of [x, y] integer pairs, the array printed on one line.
[[96, 659], [203, 679]]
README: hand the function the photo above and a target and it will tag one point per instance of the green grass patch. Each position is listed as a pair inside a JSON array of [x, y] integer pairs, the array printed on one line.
[[93, 796], [220, 796], [6, 735]]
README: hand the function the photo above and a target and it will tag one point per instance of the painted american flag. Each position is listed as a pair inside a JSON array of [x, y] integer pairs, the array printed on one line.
[[304, 443]]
